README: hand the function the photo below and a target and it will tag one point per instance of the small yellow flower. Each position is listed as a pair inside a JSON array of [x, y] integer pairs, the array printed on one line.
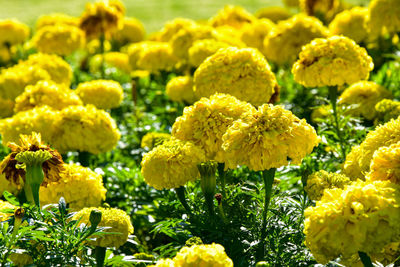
[[132, 31], [383, 17], [203, 255], [180, 89], [234, 16], [103, 94], [387, 109], [55, 19], [13, 32]]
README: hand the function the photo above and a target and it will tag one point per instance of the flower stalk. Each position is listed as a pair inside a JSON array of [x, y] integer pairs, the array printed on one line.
[[180, 192], [208, 182], [365, 259], [333, 94]]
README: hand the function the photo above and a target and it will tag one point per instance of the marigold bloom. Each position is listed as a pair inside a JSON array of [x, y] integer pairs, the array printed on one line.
[[180, 89], [333, 61], [13, 32], [202, 49], [269, 138], [203, 255], [132, 31], [351, 23], [351, 167], [118, 221], [114, 59], [151, 140], [156, 57], [243, 73], [79, 186], [172, 164], [362, 217], [205, 122], [323, 9], [253, 34], [103, 94], [164, 263], [59, 39], [46, 93], [173, 27], [383, 17], [5, 205], [385, 164], [55, 19], [321, 180], [79, 128], [387, 109], [273, 13], [362, 98], [234, 16]]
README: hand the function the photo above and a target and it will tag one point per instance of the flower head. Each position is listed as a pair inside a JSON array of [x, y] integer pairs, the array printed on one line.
[[322, 180], [203, 255], [351, 167], [333, 61], [387, 109], [253, 34], [202, 49], [172, 164], [56, 19], [172, 27], [385, 164], [234, 16], [151, 140], [383, 17], [103, 94], [180, 89], [13, 32], [323, 9], [273, 13], [132, 31]]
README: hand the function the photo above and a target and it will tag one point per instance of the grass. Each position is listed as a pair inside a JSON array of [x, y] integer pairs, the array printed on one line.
[[153, 13]]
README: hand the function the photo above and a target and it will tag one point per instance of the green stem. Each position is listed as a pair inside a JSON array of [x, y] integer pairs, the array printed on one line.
[[268, 177], [221, 211], [33, 179], [180, 192], [221, 175], [365, 259], [102, 67], [100, 256], [333, 93], [83, 158]]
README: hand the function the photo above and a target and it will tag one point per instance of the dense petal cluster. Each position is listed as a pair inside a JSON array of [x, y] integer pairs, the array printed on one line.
[[351, 167], [387, 109], [321, 180], [253, 34], [13, 32], [243, 73], [203, 255], [361, 97], [323, 9], [119, 223], [79, 186], [132, 31], [46, 93], [113, 59], [283, 44], [268, 138], [362, 217], [180, 89], [172, 164], [385, 164], [103, 94], [333, 61], [151, 140], [384, 17], [202, 49], [234, 16], [59, 39], [351, 23], [173, 27], [206, 121], [56, 19]]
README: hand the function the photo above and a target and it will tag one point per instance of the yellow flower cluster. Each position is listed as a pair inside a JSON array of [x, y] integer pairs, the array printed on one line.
[[180, 89], [321, 180], [383, 17], [202, 49], [4, 205], [268, 138], [243, 73], [233, 16], [351, 23], [284, 42], [132, 31], [13, 32], [387, 109], [113, 59], [119, 223], [206, 121], [362, 217], [333, 61], [46, 93], [173, 27], [103, 94], [102, 18], [172, 164], [385, 164], [253, 34], [151, 140], [56, 19], [351, 167], [323, 9], [59, 39], [80, 187], [361, 97]]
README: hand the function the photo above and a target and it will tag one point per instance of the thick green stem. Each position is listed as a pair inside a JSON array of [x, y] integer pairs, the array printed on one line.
[[180, 192], [100, 256], [333, 94], [268, 177], [83, 158], [365, 259], [33, 179], [208, 183], [221, 175]]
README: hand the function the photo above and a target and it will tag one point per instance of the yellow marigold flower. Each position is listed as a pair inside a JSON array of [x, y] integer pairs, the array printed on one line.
[[87, 128], [151, 140], [323, 9], [172, 164], [253, 34], [14, 80], [80, 187], [59, 39], [362, 217], [13, 32], [58, 69], [273, 13], [135, 51], [385, 164], [284, 42], [234, 16], [180, 89], [351, 23], [387, 109], [203, 255], [114, 59], [155, 57], [101, 18], [333, 61], [243, 73], [46, 93], [173, 27], [56, 18], [321, 180], [118, 221], [268, 138], [383, 17], [362, 98], [132, 31], [5, 205], [103, 94], [164, 263], [202, 49], [6, 107], [351, 167], [205, 122]]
